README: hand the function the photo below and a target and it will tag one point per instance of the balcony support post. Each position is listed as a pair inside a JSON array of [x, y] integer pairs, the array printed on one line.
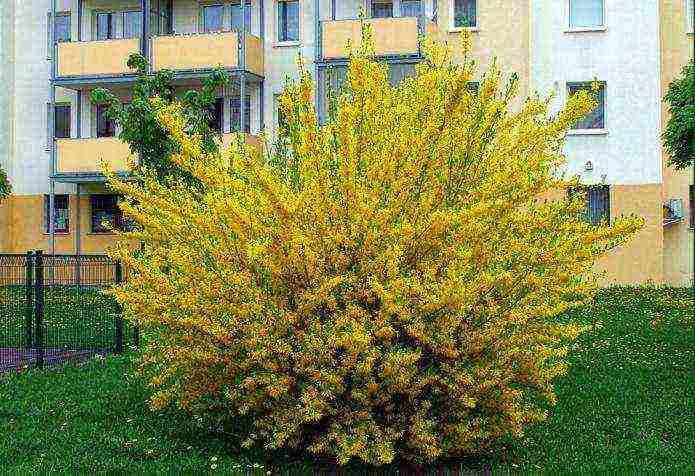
[[261, 27], [242, 41], [333, 10], [78, 227], [52, 132], [79, 20], [242, 98], [78, 114], [145, 40], [319, 53], [261, 109]]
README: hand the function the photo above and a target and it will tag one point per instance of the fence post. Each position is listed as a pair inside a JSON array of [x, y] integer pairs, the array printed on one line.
[[29, 306], [38, 306], [119, 315]]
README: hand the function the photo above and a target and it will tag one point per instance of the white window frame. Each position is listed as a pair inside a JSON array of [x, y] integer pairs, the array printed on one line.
[[590, 132], [588, 29], [452, 19], [226, 16], [276, 22]]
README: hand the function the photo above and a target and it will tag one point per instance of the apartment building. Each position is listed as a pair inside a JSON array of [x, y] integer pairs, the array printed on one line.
[[55, 52]]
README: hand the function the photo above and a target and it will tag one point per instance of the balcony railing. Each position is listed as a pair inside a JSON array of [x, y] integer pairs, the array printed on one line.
[[207, 51], [96, 58], [85, 155], [392, 36]]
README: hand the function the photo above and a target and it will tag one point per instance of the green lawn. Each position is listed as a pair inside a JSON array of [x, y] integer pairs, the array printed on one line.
[[626, 405], [73, 319]]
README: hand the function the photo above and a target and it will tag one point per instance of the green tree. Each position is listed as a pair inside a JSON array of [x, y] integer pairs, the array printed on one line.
[[147, 138], [679, 134], [5, 187]]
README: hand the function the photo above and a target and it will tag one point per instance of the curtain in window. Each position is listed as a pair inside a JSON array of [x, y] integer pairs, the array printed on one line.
[[586, 13], [465, 13], [382, 9], [288, 20], [236, 114], [132, 24], [213, 18], [237, 20], [411, 8]]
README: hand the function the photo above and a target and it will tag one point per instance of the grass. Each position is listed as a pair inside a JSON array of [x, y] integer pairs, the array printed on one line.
[[627, 404], [73, 319]]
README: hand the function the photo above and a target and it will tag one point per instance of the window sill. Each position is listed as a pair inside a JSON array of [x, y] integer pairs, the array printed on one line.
[[57, 233], [105, 233], [459, 29], [587, 29], [286, 44], [587, 132]]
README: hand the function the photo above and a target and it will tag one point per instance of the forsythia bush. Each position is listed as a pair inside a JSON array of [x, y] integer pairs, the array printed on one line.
[[391, 287]]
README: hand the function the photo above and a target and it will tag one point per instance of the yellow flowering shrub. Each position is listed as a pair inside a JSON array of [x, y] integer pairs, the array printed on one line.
[[390, 288]]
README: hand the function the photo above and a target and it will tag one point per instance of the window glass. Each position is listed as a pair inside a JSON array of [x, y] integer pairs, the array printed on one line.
[[61, 213], [689, 13], [411, 8], [398, 72], [465, 13], [473, 87], [213, 18], [105, 213], [596, 118], [236, 115], [132, 24], [288, 20], [237, 20], [586, 13], [63, 28], [215, 115], [382, 9], [105, 127], [598, 203], [106, 26], [62, 121]]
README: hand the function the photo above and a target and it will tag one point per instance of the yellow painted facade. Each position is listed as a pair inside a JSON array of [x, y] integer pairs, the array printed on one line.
[[96, 58], [86, 155], [676, 51]]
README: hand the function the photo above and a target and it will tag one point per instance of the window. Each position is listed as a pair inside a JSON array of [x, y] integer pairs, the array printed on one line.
[[598, 203], [215, 112], [213, 18], [398, 72], [235, 109], [62, 121], [411, 8], [585, 13], [106, 216], [280, 116], [465, 13], [382, 9], [63, 27], [288, 20], [106, 26], [237, 20], [690, 15], [61, 213], [692, 206], [132, 24], [106, 127], [473, 87], [596, 118]]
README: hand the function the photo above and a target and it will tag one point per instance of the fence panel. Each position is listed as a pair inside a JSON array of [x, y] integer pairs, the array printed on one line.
[[16, 329]]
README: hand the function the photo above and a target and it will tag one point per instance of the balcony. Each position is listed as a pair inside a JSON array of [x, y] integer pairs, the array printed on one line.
[[84, 156], [392, 36], [96, 58], [207, 51]]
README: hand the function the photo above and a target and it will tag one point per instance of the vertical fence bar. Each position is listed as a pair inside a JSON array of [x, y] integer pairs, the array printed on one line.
[[119, 313], [39, 306], [28, 304]]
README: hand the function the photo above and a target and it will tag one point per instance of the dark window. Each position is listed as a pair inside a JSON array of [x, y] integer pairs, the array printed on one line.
[[382, 9], [215, 112], [237, 19], [595, 119], [106, 26], [132, 24], [63, 28], [398, 72], [106, 216], [411, 8], [213, 18], [465, 13], [282, 121], [61, 213], [106, 127], [236, 115], [288, 20], [598, 203], [473, 87], [692, 206], [62, 121]]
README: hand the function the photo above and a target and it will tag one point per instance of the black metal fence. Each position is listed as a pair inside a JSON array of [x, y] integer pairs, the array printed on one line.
[[54, 308]]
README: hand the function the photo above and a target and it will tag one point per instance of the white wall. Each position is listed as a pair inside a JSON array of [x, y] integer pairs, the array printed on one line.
[[626, 56]]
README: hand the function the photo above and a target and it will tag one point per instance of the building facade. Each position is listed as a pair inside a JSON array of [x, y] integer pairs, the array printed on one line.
[[55, 52]]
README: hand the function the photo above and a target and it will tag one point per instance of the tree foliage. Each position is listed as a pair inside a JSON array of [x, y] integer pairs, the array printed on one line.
[[5, 187], [679, 133], [141, 129], [393, 288]]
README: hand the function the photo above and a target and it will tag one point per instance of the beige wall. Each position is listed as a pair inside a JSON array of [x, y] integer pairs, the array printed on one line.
[[676, 51]]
